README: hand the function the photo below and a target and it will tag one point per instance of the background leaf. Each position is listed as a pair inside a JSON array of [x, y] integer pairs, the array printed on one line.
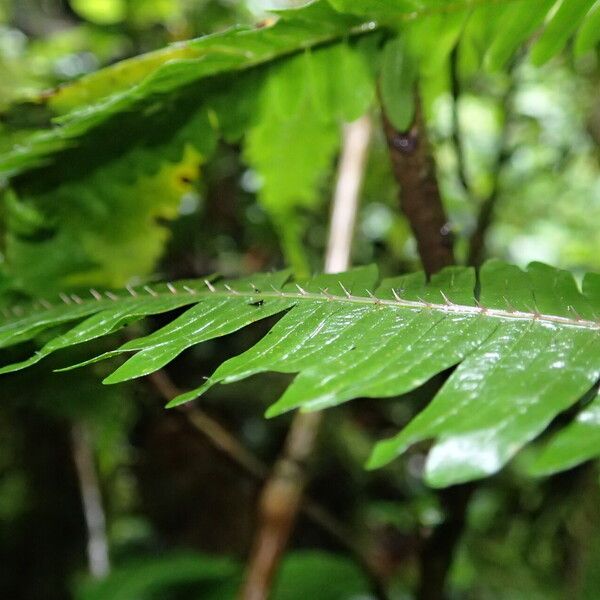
[[398, 77]]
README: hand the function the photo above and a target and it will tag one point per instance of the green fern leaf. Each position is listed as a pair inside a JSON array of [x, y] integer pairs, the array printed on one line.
[[577, 442], [157, 77], [526, 347], [124, 87]]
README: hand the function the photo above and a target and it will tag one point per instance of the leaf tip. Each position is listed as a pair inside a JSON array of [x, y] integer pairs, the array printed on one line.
[[115, 377], [275, 410], [179, 400], [379, 457]]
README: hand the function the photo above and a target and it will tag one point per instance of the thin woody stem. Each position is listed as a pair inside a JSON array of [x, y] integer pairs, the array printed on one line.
[[91, 500], [420, 200], [212, 429]]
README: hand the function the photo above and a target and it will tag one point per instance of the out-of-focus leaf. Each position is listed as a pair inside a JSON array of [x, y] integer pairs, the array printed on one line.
[[149, 577], [312, 574], [479, 30], [102, 223], [398, 77], [577, 442], [94, 99], [104, 12], [588, 35], [432, 39], [394, 11], [518, 21], [563, 24], [303, 574]]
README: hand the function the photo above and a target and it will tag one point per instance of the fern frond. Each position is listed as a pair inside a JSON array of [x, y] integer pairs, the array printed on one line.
[[120, 89], [577, 442], [526, 346], [158, 77]]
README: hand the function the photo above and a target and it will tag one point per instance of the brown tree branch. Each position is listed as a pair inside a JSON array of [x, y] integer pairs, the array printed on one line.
[[420, 199], [279, 504], [282, 494], [414, 170]]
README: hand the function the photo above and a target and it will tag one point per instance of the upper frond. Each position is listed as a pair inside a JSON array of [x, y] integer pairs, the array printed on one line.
[[86, 104]]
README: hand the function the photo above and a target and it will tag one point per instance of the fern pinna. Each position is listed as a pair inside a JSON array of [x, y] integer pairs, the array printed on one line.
[[525, 344]]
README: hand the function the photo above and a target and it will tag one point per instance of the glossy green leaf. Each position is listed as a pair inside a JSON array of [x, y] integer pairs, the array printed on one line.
[[110, 310], [204, 321], [499, 399], [577, 442], [108, 320], [525, 349]]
